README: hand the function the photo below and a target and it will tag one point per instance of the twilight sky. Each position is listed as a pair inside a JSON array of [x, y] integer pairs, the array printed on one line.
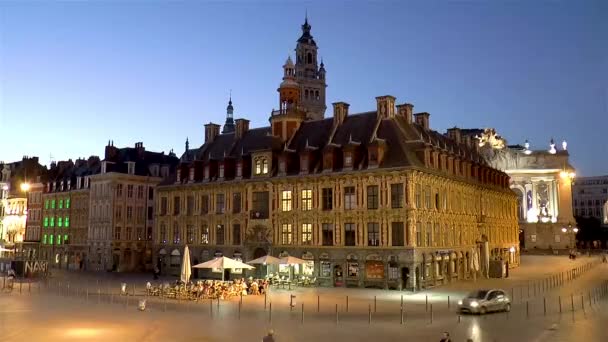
[[75, 74]]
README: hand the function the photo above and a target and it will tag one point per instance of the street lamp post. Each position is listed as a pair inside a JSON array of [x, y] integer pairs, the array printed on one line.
[[570, 231]]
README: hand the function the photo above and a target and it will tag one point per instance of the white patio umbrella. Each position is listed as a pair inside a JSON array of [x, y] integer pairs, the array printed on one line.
[[223, 263], [186, 266], [265, 260], [289, 260]]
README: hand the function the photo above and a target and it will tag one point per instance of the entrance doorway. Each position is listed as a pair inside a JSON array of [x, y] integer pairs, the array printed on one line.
[[405, 275]]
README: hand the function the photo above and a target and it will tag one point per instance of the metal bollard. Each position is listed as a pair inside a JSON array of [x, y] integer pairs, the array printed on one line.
[[346, 303], [426, 299], [264, 300], [527, 310], [448, 302], [559, 298], [572, 302], [544, 306], [583, 303], [270, 312], [401, 314], [318, 303], [302, 313], [369, 314], [431, 313], [336, 314], [211, 307], [458, 318], [374, 304], [240, 304]]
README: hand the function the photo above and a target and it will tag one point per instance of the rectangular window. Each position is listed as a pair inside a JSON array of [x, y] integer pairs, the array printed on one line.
[[260, 205], [328, 198], [236, 234], [128, 234], [204, 234], [52, 221], [189, 205], [150, 193], [204, 204], [307, 199], [307, 234], [116, 233], [60, 204], [46, 204], [140, 191], [236, 202], [51, 239], [176, 235], [67, 222], [220, 204], [286, 200], [46, 222], [163, 233], [220, 170], [397, 195], [67, 203], [418, 195], [140, 233], [129, 213], [118, 213], [53, 204], [130, 191], [373, 234], [150, 213], [286, 234], [418, 241], [372, 197], [65, 239], [328, 234], [44, 239], [350, 233], [190, 234], [397, 234], [176, 205], [219, 234], [427, 197], [119, 190], [350, 199], [58, 239], [429, 235], [163, 206]]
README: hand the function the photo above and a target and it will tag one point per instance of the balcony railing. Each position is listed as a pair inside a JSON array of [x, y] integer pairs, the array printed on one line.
[[258, 215]]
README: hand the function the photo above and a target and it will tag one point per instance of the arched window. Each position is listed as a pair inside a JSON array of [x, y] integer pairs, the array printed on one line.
[[261, 166], [309, 58], [306, 93], [317, 94]]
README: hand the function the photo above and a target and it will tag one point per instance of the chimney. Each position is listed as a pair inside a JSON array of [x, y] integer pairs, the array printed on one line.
[[242, 126], [406, 111], [111, 152], [467, 140], [385, 106], [422, 119], [454, 134], [211, 131], [340, 112], [139, 146]]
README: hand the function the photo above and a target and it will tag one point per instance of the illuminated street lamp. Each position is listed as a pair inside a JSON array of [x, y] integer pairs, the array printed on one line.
[[570, 231], [25, 187]]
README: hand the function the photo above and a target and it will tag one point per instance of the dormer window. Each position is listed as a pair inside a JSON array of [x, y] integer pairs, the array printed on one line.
[[304, 163], [154, 170], [79, 182], [69, 184], [179, 175], [282, 166], [86, 183], [220, 170], [131, 168], [261, 165], [191, 175], [164, 171], [239, 169], [61, 186], [104, 166], [348, 159], [206, 173]]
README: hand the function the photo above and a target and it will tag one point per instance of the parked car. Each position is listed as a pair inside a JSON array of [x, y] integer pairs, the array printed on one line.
[[483, 301]]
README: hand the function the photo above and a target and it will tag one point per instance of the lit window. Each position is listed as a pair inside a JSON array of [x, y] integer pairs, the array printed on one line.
[[67, 203], [307, 199], [261, 166], [286, 200], [350, 200], [67, 222], [46, 221], [52, 204], [306, 233], [286, 234], [52, 221], [348, 160], [44, 239], [59, 221], [373, 234]]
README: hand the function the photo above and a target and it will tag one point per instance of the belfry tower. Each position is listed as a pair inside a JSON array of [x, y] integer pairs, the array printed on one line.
[[310, 75]]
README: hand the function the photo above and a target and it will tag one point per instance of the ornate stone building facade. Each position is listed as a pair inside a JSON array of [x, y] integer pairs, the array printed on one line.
[[121, 207], [542, 180], [65, 213], [370, 199], [590, 196]]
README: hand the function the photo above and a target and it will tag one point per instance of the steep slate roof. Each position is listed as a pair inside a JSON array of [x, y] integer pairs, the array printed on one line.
[[143, 160], [225, 145]]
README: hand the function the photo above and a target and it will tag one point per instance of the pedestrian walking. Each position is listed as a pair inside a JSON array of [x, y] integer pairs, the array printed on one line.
[[269, 337], [446, 337]]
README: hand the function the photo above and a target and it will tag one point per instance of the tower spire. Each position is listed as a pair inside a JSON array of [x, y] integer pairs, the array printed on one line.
[[229, 124]]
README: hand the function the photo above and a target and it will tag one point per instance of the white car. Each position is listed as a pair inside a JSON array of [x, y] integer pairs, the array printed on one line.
[[483, 301]]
